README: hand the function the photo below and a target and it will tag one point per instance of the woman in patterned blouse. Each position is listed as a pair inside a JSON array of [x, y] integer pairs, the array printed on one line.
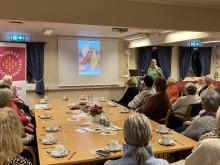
[[10, 138], [206, 120]]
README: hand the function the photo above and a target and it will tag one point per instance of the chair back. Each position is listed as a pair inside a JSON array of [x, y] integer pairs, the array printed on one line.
[[165, 120], [195, 109], [30, 150]]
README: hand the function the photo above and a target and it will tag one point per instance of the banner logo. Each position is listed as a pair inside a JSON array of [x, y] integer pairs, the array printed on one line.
[[12, 62]]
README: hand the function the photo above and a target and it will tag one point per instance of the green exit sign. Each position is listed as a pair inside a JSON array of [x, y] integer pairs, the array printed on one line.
[[17, 38]]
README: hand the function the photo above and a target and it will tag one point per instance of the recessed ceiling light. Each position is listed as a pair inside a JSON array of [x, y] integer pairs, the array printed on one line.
[[214, 41], [137, 36], [48, 31]]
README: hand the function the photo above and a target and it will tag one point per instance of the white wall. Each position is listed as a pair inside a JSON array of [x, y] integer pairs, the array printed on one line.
[[51, 75]]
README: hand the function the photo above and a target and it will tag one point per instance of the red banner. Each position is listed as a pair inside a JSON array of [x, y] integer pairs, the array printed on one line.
[[13, 62]]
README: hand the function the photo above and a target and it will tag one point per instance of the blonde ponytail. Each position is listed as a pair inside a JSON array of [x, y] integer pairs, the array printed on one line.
[[137, 132], [140, 155]]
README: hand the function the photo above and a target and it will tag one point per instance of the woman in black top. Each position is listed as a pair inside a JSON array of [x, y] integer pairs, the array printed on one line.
[[131, 91]]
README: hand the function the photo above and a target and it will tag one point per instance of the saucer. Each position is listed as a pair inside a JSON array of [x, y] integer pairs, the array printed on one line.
[[124, 111], [113, 149], [47, 107], [164, 143], [58, 154], [103, 99], [112, 104], [45, 117], [48, 142], [43, 102], [96, 130], [52, 129], [72, 104], [162, 131], [108, 133]]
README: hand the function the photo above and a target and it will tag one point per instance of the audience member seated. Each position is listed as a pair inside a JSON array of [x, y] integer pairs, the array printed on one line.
[[206, 120], [209, 80], [6, 101], [182, 103], [144, 96], [206, 152], [214, 133], [6, 96], [11, 144], [200, 84], [137, 150], [172, 90], [7, 82], [130, 92], [158, 105]]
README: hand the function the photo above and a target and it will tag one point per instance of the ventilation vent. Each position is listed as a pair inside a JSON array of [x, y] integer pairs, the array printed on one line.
[[16, 22], [120, 30]]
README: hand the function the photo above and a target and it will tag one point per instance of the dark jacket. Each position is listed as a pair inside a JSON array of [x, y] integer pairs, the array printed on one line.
[[129, 95]]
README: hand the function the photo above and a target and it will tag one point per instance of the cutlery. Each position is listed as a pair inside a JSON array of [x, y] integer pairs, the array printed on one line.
[[72, 155]]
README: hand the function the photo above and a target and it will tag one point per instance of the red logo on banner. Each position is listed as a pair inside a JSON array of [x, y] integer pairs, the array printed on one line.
[[12, 62]]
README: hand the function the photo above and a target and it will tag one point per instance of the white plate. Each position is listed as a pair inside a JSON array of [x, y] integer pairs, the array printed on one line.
[[52, 129], [43, 102], [113, 149], [103, 99], [170, 143], [45, 117], [162, 132], [57, 154], [124, 111], [72, 104], [112, 104], [48, 142], [109, 133]]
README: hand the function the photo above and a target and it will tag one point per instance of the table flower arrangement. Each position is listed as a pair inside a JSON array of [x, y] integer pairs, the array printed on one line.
[[95, 111]]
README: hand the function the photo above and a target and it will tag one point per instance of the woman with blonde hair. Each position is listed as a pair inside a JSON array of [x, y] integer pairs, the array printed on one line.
[[137, 151], [10, 138]]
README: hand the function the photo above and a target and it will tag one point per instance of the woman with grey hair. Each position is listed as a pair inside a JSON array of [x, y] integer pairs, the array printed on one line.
[[181, 106], [137, 151], [206, 150], [206, 120], [131, 91]]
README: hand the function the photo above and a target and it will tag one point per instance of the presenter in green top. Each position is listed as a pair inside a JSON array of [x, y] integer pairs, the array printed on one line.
[[154, 71]]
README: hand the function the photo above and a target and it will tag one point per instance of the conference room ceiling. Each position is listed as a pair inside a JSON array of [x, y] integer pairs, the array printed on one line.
[[215, 4], [62, 29]]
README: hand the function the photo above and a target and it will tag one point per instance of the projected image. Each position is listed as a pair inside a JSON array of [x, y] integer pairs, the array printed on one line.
[[89, 57]]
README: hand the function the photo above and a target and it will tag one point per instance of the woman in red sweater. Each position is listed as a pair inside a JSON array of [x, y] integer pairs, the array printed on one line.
[[158, 105], [6, 101]]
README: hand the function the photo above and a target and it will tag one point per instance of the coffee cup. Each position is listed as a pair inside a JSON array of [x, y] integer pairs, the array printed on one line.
[[48, 106], [162, 128], [45, 114], [59, 148], [45, 98], [43, 101], [64, 97], [114, 144], [49, 137]]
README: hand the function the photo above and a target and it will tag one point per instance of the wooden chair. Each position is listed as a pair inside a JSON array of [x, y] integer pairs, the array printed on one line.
[[192, 111], [165, 120], [30, 150]]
